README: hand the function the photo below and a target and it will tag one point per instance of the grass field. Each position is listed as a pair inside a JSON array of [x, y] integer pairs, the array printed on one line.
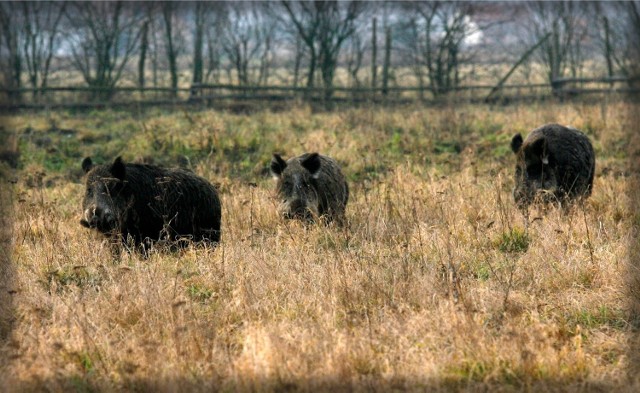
[[434, 284]]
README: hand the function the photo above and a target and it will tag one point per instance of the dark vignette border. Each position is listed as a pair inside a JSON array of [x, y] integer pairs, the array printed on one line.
[[7, 268], [629, 382], [633, 195]]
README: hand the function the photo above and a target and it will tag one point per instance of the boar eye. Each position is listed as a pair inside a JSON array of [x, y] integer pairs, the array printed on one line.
[[112, 185], [534, 170]]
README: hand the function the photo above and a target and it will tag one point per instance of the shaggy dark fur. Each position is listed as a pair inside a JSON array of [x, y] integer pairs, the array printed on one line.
[[147, 203], [555, 163], [310, 186]]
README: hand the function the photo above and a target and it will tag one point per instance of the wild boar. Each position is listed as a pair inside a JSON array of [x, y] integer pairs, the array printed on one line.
[[310, 186], [143, 204], [554, 163]]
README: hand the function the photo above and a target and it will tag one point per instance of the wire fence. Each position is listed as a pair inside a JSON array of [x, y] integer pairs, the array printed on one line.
[[224, 95]]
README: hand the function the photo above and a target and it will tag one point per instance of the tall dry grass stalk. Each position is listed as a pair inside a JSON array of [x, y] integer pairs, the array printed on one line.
[[434, 284]]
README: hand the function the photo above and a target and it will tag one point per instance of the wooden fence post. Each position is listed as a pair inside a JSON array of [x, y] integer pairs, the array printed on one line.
[[387, 62]]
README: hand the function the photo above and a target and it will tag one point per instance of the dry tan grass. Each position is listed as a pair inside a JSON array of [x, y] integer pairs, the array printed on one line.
[[421, 291]]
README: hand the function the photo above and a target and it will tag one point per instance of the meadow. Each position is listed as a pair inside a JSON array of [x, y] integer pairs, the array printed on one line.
[[434, 284]]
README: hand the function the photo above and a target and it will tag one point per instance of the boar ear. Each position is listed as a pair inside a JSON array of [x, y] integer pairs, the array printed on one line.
[[277, 165], [118, 169], [87, 164], [312, 163], [516, 143]]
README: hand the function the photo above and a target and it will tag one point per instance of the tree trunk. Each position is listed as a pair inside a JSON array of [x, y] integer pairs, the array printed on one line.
[[245, 63], [9, 34], [328, 65], [144, 45], [212, 34], [198, 43], [171, 55], [16, 62], [265, 63], [154, 53], [355, 62], [453, 67], [374, 54], [555, 53], [312, 68], [154, 58], [387, 61], [429, 58], [608, 51], [47, 62], [297, 61]]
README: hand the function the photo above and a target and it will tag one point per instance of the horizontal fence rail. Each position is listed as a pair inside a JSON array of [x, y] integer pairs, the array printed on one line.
[[224, 94]]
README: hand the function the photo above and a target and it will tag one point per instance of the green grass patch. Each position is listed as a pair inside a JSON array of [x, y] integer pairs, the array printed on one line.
[[482, 271], [513, 241], [597, 318], [199, 293], [62, 278], [451, 147], [499, 371]]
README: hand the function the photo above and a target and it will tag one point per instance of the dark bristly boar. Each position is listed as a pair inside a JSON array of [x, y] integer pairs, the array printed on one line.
[[310, 186], [145, 203], [554, 163]]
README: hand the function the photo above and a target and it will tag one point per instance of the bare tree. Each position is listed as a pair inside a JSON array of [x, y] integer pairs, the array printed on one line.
[[299, 53], [633, 30], [144, 42], [200, 16], [413, 50], [247, 41], [236, 40], [607, 45], [294, 49], [10, 21], [336, 25], [374, 52], [269, 34], [169, 17], [386, 66], [362, 41], [323, 26], [214, 28], [566, 21], [151, 37], [434, 37], [611, 34], [306, 26], [41, 21], [354, 57], [102, 37]]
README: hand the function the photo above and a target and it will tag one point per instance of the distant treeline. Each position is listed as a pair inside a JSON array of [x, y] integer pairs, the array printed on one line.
[[433, 46]]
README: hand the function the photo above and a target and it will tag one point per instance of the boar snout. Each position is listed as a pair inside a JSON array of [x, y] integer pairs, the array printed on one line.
[[96, 217], [298, 210]]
